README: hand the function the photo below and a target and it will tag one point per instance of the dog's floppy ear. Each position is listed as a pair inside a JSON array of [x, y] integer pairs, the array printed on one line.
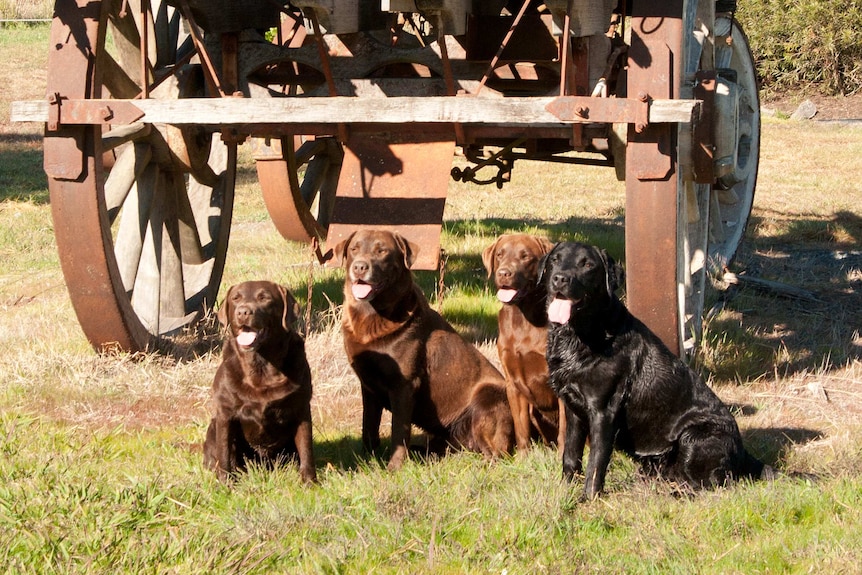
[[222, 314], [408, 248], [339, 252], [291, 308], [543, 264], [615, 275], [488, 258], [544, 244]]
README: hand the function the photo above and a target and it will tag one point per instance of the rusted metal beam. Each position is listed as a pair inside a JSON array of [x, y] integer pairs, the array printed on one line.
[[652, 242]]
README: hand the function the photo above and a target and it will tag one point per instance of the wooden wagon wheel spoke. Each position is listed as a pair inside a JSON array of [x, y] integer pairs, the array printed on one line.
[[166, 28], [133, 226], [315, 175], [187, 229], [146, 294], [299, 178], [177, 242], [118, 136], [117, 83], [127, 169], [319, 165]]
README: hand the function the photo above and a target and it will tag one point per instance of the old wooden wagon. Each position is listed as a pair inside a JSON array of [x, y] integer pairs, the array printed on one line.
[[354, 109]]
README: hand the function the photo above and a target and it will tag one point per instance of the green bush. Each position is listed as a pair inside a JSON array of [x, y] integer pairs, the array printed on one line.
[[799, 44]]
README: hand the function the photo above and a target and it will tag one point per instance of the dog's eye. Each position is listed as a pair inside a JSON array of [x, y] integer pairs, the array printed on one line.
[[263, 296]]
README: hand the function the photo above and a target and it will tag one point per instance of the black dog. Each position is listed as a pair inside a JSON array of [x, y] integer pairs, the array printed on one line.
[[622, 386]]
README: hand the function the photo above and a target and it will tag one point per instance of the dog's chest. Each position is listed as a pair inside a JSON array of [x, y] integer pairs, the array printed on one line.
[[575, 367], [264, 423]]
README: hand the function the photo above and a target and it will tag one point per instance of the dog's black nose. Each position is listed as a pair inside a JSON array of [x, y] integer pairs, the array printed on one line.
[[504, 273], [559, 280]]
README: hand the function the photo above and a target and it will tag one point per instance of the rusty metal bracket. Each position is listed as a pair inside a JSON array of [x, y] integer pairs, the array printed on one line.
[[54, 101], [78, 112], [605, 110], [502, 163]]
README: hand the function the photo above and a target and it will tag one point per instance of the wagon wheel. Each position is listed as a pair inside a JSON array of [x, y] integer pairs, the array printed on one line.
[[714, 217], [298, 178], [141, 213], [707, 226]]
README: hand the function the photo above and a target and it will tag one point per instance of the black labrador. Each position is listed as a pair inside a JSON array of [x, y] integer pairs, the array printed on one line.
[[623, 387]]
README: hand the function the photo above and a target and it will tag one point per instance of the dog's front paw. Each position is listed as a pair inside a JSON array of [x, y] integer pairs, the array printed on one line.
[[570, 472], [308, 474], [397, 459]]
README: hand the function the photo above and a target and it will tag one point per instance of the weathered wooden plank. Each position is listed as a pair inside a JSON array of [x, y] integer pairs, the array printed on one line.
[[341, 110]]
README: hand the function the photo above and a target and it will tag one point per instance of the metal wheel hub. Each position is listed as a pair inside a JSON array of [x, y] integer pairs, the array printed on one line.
[[731, 135]]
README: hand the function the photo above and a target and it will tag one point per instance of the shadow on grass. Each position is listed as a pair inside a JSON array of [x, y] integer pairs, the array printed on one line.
[[22, 175], [766, 332], [772, 445], [346, 453]]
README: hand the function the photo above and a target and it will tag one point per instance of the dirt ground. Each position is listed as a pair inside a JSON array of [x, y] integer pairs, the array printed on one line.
[[828, 107]]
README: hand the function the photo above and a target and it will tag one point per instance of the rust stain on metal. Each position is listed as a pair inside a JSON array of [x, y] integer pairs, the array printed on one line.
[[396, 183]]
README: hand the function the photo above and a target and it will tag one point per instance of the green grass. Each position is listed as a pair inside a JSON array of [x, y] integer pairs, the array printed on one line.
[[125, 502], [100, 462]]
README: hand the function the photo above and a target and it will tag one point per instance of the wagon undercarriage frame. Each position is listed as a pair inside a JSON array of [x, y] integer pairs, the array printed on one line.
[[148, 101]]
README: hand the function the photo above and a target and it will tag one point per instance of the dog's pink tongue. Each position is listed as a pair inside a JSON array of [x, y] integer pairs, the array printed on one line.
[[506, 295], [560, 310], [361, 291], [246, 338]]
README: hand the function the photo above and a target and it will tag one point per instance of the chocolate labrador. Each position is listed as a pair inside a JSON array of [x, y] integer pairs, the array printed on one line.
[[513, 263], [623, 388], [262, 387], [410, 361]]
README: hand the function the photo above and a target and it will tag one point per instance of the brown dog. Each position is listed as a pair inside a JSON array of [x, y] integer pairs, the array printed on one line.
[[513, 263], [410, 360], [262, 388]]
